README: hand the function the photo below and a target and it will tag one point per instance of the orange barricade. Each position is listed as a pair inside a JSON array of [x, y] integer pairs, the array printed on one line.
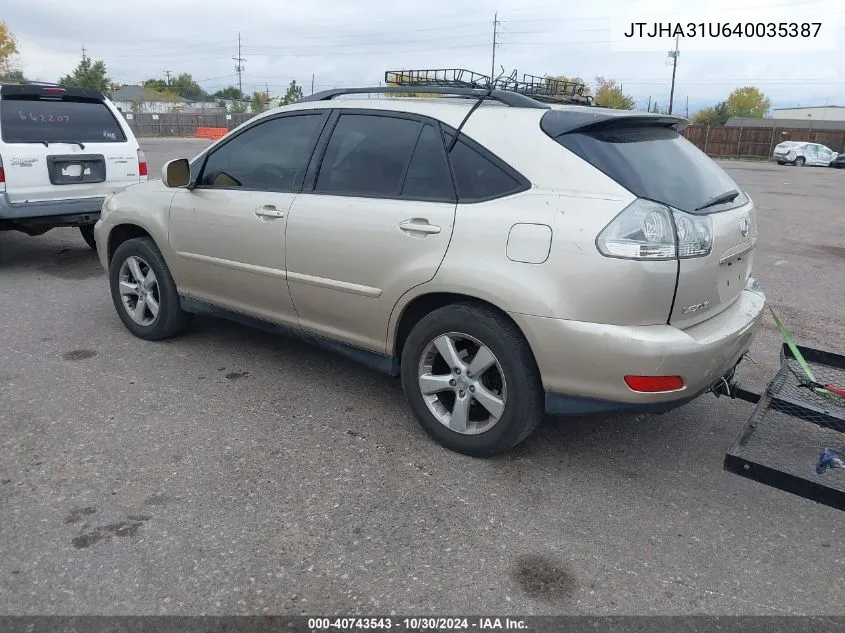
[[212, 133]]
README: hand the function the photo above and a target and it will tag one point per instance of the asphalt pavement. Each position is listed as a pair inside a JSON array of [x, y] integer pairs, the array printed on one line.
[[231, 471]]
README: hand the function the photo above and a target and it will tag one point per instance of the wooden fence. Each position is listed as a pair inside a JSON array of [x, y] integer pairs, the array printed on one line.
[[725, 142], [181, 123]]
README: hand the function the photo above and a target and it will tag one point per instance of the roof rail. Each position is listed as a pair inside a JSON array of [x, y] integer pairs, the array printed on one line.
[[510, 98]]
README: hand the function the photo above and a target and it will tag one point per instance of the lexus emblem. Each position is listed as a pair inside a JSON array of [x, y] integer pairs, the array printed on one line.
[[743, 227]]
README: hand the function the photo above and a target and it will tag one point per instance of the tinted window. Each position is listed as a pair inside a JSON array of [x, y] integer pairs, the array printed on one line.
[[268, 156], [477, 177], [655, 163], [428, 176], [367, 155], [32, 120]]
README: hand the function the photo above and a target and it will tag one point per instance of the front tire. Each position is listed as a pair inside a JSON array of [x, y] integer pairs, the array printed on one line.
[[143, 291], [800, 161], [88, 235], [471, 380]]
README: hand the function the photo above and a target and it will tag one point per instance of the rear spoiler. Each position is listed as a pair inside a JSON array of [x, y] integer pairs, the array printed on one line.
[[556, 123], [49, 91]]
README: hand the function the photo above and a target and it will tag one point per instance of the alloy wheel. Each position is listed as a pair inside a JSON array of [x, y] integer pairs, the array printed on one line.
[[139, 290], [462, 383]]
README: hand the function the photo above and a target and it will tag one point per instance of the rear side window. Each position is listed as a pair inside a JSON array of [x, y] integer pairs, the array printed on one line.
[[477, 176], [428, 176], [27, 119], [367, 155], [654, 162]]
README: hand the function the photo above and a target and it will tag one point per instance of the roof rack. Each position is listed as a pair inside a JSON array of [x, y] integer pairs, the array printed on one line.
[[446, 77], [532, 91], [543, 89]]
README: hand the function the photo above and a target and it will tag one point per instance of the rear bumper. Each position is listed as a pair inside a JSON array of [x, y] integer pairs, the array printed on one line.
[[46, 210], [583, 365]]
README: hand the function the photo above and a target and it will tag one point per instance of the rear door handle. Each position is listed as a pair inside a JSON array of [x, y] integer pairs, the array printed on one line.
[[419, 225], [269, 211]]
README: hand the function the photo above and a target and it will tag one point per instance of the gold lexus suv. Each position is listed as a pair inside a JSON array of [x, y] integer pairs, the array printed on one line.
[[505, 257]]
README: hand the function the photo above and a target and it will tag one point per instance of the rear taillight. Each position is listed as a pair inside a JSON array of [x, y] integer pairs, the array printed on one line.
[[2, 176], [142, 164], [654, 384], [653, 231]]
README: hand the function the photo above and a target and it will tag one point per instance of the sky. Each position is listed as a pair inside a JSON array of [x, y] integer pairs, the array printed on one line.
[[355, 42]]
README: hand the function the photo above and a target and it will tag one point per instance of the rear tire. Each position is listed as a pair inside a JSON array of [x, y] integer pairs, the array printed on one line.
[[143, 291], [88, 235], [781, 162], [484, 413]]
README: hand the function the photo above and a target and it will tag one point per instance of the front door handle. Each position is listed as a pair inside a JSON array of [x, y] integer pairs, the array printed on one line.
[[269, 211], [419, 225]]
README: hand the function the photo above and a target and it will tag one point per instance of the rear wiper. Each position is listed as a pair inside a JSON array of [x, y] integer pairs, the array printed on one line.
[[728, 196]]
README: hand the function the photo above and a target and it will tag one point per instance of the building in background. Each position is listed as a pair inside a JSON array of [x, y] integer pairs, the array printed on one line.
[[814, 113]]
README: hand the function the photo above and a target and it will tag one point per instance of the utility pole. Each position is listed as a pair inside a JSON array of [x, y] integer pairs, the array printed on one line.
[[687, 115], [84, 56], [648, 109], [168, 73], [674, 55], [495, 44], [312, 83], [239, 69]]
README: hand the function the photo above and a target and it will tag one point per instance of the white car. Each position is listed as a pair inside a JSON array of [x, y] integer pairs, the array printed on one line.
[[799, 153], [62, 151]]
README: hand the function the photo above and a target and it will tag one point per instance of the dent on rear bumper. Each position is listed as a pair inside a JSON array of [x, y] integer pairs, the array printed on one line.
[[583, 364]]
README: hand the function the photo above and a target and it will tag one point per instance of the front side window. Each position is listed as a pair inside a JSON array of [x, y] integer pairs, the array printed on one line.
[[367, 155], [270, 156]]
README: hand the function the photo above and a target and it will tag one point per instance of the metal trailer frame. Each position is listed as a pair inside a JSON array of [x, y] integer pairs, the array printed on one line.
[[773, 400]]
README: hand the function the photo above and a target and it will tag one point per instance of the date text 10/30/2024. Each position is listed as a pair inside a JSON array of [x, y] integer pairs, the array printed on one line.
[[417, 624]]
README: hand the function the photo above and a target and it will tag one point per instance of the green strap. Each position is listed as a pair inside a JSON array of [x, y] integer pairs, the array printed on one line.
[[794, 348], [798, 357]]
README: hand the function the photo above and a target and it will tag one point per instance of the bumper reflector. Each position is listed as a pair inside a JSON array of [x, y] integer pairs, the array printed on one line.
[[654, 384]]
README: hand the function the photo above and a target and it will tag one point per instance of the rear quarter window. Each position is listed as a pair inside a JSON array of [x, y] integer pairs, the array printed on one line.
[[654, 162], [479, 175], [28, 119]]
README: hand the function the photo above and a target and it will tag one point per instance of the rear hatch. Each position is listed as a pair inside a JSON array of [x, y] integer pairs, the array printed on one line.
[[63, 143], [651, 158], [782, 149]]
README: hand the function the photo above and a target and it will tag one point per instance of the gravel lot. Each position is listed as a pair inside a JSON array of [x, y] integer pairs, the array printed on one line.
[[231, 471]]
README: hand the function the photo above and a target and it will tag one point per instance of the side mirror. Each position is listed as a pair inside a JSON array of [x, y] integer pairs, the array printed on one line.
[[176, 173]]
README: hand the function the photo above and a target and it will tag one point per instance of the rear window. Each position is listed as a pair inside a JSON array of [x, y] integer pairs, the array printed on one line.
[[33, 120], [654, 162]]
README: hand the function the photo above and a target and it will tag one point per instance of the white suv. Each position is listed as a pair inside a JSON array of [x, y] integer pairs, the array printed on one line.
[[62, 151]]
